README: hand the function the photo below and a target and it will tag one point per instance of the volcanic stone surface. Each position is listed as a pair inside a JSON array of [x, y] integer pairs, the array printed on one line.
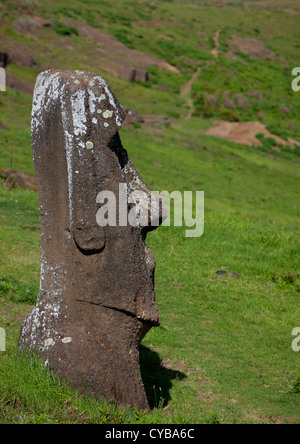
[[97, 298]]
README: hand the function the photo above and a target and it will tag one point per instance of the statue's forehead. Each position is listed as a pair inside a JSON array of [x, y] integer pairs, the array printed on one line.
[[78, 79], [101, 100], [82, 94]]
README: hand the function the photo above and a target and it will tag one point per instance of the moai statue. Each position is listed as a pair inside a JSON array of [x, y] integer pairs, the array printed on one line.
[[97, 299]]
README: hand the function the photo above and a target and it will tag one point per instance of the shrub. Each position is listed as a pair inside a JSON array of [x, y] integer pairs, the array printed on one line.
[[229, 115], [123, 36], [64, 29], [296, 385]]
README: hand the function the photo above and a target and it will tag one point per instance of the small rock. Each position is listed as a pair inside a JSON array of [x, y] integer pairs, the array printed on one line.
[[224, 272], [139, 75], [3, 59], [221, 272]]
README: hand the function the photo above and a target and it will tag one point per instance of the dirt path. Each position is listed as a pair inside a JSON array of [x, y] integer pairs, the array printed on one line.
[[186, 93], [215, 51], [187, 87], [239, 132]]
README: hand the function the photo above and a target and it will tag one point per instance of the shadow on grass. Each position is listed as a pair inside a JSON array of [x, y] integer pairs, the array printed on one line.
[[158, 380]]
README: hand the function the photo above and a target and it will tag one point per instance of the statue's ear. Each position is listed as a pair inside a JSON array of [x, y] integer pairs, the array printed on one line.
[[87, 234], [92, 117]]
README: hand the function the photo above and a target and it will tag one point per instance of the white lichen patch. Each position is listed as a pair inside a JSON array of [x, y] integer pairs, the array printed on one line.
[[54, 75], [108, 95], [94, 120], [107, 114], [49, 342], [89, 145], [46, 89], [92, 101], [99, 111], [66, 340], [69, 145], [106, 124], [78, 112]]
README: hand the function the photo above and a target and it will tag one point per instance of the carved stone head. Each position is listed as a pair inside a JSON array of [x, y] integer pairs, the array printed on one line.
[[97, 298]]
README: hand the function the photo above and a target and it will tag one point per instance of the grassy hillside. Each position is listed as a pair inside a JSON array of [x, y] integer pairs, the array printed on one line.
[[223, 352]]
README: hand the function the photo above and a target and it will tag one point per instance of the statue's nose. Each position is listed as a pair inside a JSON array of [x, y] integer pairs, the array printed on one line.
[[157, 214], [147, 212]]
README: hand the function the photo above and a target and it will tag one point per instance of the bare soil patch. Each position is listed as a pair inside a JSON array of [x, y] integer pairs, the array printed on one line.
[[251, 47], [291, 11], [245, 133]]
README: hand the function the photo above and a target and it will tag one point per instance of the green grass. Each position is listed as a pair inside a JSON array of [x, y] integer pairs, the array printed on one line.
[[56, 402], [249, 90], [225, 342], [223, 352]]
